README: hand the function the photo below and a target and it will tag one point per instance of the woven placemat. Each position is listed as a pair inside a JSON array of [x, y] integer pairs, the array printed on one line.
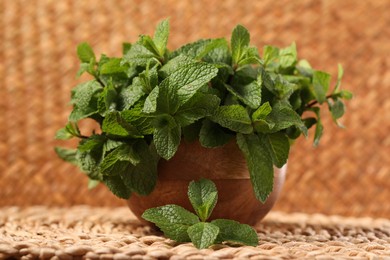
[[114, 233]]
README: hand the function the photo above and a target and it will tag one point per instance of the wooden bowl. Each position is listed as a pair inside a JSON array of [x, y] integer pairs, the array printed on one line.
[[226, 167]]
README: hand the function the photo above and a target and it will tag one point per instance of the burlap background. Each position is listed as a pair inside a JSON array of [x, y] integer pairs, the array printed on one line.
[[348, 174]]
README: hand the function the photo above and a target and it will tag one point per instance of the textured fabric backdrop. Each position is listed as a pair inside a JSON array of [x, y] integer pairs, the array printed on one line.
[[348, 174]]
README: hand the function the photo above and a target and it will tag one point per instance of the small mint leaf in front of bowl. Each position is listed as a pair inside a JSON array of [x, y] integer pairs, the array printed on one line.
[[203, 196], [233, 231], [203, 234], [173, 220]]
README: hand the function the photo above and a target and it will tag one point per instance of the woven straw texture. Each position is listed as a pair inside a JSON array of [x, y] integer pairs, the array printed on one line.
[[104, 233], [349, 174]]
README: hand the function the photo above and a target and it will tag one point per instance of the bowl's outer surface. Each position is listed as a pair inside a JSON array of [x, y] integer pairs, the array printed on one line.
[[226, 167]]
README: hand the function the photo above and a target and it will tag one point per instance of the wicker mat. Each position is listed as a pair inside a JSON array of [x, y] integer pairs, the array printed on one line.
[[105, 233]]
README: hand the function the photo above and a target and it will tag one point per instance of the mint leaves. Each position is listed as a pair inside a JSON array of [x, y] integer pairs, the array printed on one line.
[[183, 226], [210, 91]]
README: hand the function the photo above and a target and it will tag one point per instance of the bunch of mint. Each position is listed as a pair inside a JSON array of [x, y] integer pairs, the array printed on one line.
[[181, 225], [150, 98]]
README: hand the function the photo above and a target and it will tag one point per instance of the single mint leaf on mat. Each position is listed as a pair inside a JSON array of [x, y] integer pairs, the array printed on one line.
[[203, 234], [233, 231], [173, 220], [213, 135], [239, 43], [161, 35], [233, 117], [203, 196], [321, 81], [259, 162], [85, 52], [167, 136]]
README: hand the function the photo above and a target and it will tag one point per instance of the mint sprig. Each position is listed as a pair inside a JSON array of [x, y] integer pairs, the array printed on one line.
[[181, 225], [210, 90]]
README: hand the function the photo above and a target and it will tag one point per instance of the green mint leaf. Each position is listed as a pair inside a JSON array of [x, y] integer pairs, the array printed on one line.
[[337, 109], [63, 134], [142, 177], [126, 46], [89, 162], [85, 52], [203, 196], [138, 55], [193, 49], [85, 100], [233, 117], [321, 81], [279, 147], [142, 122], [150, 105], [339, 78], [166, 136], [130, 95], [107, 100], [249, 94], [116, 186], [233, 231], [119, 159], [161, 35], [282, 88], [167, 100], [148, 43], [259, 163], [288, 56], [188, 79], [262, 112], [319, 127], [92, 184], [283, 116], [149, 79], [199, 106], [91, 143], [346, 94], [251, 57], [114, 124], [174, 64], [110, 145], [239, 43], [210, 46], [203, 234], [68, 155], [212, 135], [173, 220], [69, 131], [270, 54], [113, 66]]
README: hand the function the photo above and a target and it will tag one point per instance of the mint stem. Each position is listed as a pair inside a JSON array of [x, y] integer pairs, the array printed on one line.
[[311, 104]]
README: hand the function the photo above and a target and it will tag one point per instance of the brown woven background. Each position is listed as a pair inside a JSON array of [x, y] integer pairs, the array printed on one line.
[[348, 174]]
